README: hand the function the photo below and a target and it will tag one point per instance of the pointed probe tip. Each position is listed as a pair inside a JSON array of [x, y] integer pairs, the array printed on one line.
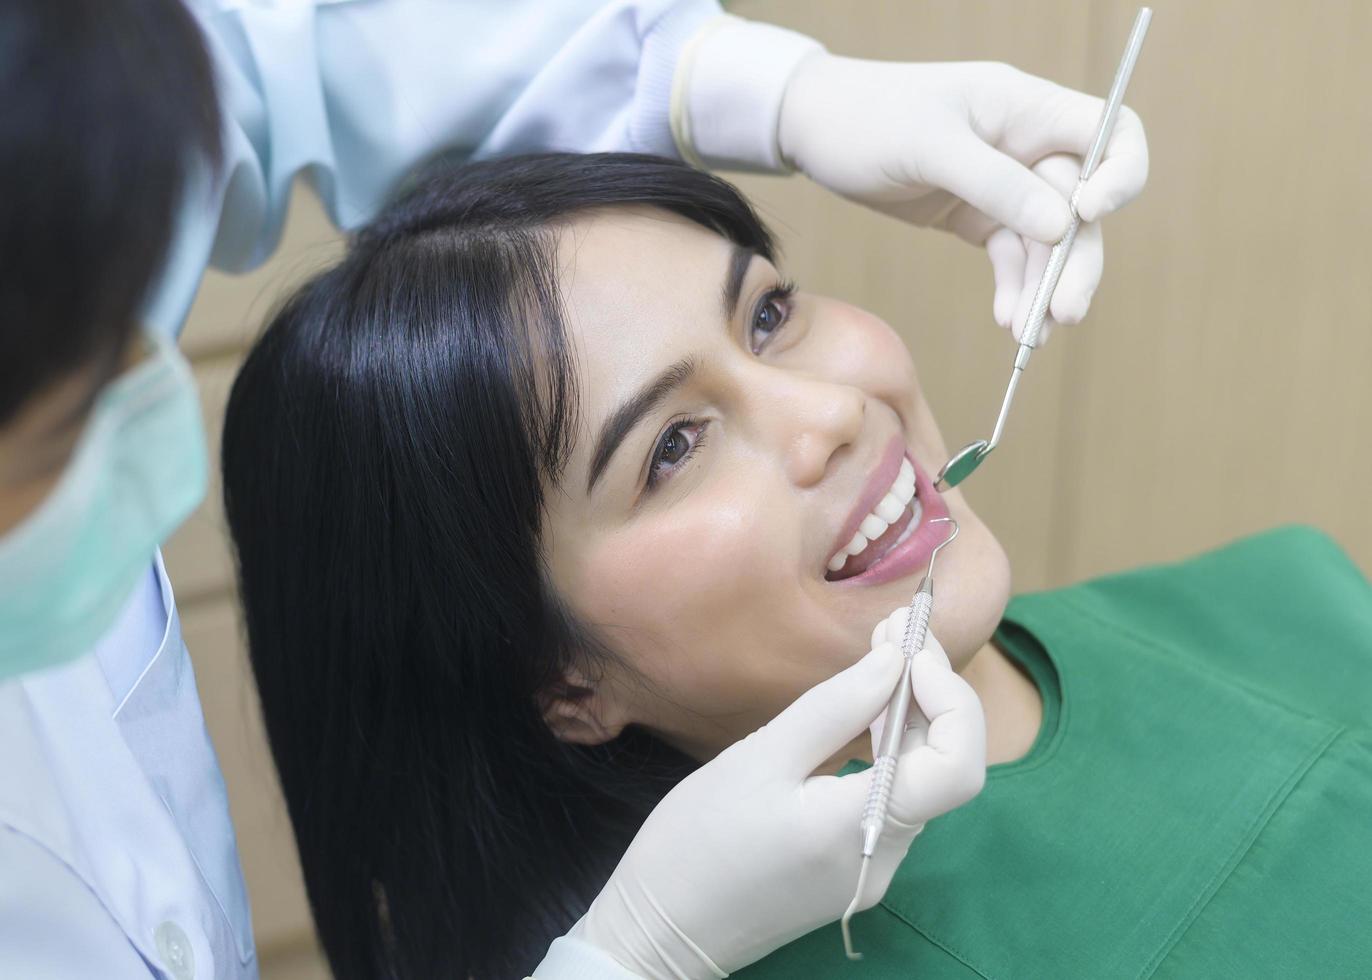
[[847, 921]]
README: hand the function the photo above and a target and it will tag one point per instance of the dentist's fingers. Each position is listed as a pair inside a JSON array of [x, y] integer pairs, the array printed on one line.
[[1076, 286], [1058, 120], [950, 768], [1080, 276], [1066, 121], [890, 631], [1005, 249], [917, 723], [1122, 172], [969, 224], [892, 628], [827, 717], [998, 186], [1035, 261], [917, 728]]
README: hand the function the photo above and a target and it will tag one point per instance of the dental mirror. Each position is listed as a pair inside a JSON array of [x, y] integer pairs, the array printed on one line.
[[967, 459], [961, 465]]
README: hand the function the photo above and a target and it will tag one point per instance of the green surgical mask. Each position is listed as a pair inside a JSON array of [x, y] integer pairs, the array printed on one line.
[[137, 472]]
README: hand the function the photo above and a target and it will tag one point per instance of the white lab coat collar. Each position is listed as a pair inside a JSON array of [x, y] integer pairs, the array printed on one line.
[[130, 797]]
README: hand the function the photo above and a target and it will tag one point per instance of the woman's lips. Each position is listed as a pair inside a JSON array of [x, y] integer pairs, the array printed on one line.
[[888, 562], [878, 482]]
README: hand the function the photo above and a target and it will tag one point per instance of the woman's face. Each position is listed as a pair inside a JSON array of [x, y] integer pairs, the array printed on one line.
[[732, 440]]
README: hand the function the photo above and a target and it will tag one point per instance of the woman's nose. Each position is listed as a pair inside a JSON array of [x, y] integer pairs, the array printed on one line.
[[812, 422]]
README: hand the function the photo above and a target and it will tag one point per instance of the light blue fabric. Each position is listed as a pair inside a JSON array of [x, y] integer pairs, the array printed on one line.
[[114, 818], [113, 812], [353, 94]]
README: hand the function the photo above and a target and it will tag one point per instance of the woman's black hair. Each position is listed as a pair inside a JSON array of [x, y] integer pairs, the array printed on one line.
[[387, 447]]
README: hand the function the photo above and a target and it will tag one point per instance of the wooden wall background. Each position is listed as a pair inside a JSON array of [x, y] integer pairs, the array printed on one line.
[[1219, 386]]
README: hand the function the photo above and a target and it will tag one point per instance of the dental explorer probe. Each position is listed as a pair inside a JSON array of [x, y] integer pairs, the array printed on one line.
[[897, 710], [969, 457]]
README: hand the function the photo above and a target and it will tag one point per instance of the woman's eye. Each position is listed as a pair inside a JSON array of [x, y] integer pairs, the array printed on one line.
[[771, 315], [677, 445]]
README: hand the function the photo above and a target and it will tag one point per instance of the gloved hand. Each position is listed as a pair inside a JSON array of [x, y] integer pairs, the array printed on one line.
[[958, 146], [751, 851], [954, 146]]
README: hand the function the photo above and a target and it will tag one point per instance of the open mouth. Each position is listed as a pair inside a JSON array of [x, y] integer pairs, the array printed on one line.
[[895, 517]]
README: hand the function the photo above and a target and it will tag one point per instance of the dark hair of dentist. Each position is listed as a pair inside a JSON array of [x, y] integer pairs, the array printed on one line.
[[394, 429], [108, 107]]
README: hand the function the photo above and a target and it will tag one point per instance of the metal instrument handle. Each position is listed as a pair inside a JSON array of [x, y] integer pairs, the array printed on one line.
[[897, 711], [1109, 112]]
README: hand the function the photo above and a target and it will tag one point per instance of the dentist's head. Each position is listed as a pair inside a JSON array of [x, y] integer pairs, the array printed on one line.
[[110, 112]]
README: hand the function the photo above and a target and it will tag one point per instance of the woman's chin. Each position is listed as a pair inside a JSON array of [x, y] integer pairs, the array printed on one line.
[[967, 614]]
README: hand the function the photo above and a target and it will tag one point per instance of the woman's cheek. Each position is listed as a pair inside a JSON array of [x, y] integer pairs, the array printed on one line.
[[858, 348], [666, 572], [682, 598]]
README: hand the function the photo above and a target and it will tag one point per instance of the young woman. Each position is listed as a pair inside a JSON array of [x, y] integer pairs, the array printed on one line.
[[554, 486]]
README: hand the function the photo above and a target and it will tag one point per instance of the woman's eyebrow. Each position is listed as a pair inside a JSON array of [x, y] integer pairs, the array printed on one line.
[[623, 419], [739, 260]]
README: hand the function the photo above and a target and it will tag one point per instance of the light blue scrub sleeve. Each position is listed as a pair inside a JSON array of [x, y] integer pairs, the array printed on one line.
[[353, 94]]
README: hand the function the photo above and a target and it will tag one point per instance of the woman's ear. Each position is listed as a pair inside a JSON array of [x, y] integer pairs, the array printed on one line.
[[582, 711]]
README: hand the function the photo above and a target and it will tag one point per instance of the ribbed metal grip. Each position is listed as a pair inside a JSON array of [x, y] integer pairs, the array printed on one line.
[[878, 802], [1057, 259], [917, 626]]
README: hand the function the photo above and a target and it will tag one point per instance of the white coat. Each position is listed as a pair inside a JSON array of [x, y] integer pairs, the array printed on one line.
[[117, 857]]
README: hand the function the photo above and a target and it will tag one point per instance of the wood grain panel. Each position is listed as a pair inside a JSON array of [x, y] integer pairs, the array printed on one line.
[[266, 846], [1223, 387], [197, 555], [229, 309]]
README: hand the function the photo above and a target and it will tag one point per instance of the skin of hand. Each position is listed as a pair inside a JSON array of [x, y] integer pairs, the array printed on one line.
[[958, 146], [752, 851]]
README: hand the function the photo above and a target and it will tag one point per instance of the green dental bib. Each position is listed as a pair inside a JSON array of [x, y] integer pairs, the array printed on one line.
[[1198, 802]]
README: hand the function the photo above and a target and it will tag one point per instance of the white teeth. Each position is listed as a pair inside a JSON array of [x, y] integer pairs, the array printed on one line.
[[873, 527], [904, 487], [918, 511], [889, 509], [904, 492]]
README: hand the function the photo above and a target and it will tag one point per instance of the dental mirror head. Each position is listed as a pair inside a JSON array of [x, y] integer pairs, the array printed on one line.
[[961, 465], [966, 460]]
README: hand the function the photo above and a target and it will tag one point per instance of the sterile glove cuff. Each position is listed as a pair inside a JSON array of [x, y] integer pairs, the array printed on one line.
[[727, 92], [664, 45], [570, 958]]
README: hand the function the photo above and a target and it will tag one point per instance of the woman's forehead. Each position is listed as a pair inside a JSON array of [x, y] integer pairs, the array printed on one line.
[[616, 260], [641, 288]]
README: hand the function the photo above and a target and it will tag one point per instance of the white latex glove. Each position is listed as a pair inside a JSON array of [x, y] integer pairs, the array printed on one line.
[[944, 145], [951, 146], [751, 851]]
